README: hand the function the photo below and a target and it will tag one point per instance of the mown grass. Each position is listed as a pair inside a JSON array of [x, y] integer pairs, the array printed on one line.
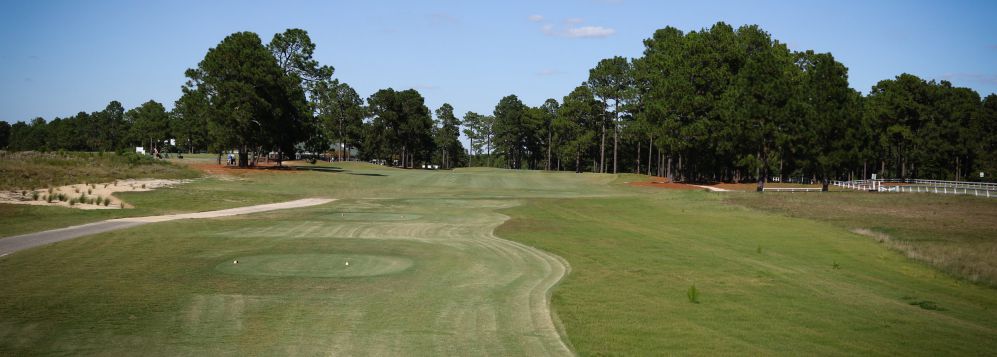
[[957, 234], [766, 284], [34, 170]]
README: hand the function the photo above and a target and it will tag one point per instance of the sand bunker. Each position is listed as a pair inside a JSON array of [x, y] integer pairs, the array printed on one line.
[[86, 195]]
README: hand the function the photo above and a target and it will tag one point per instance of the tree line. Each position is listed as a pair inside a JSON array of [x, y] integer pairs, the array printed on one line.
[[260, 100], [725, 104], [717, 104]]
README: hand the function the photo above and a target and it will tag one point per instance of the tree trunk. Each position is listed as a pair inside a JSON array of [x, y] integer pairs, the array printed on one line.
[[650, 153], [763, 176], [243, 156], [616, 131], [637, 171], [669, 169], [578, 161], [679, 170], [602, 149], [548, 165]]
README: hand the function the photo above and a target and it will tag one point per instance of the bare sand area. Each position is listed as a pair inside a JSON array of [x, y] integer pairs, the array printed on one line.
[[86, 195]]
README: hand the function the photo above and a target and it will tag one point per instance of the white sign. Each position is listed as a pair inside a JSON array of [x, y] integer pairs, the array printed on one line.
[[873, 176], [981, 174], [140, 150]]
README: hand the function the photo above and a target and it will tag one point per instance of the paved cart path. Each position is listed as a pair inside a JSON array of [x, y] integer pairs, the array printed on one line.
[[17, 243]]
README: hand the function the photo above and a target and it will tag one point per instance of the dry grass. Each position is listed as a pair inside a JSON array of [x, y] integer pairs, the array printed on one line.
[[957, 234], [35, 170]]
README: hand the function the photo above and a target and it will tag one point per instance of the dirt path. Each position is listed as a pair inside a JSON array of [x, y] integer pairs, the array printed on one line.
[[17, 243]]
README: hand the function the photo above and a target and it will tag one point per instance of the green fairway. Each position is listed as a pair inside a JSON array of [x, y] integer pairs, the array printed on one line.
[[463, 263]]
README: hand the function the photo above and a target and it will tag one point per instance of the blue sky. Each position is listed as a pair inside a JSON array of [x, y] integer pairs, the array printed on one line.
[[61, 57]]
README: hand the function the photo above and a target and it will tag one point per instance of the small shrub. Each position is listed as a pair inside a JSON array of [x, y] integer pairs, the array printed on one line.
[[835, 265], [24, 193], [34, 195], [48, 199], [143, 185], [107, 201], [72, 202], [76, 189], [927, 305], [62, 197], [105, 185], [89, 191], [693, 294]]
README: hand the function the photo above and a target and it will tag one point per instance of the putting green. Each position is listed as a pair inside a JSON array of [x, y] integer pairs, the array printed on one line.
[[315, 265]]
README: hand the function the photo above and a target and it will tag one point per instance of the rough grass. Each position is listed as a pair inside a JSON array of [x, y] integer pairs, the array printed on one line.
[[200, 195], [812, 288], [957, 234], [33, 170]]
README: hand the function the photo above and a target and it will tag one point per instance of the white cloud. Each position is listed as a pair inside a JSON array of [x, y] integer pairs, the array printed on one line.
[[536, 18], [548, 29], [590, 32], [573, 21]]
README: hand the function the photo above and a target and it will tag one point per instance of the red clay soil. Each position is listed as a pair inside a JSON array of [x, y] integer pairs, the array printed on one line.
[[215, 169], [664, 182], [754, 185]]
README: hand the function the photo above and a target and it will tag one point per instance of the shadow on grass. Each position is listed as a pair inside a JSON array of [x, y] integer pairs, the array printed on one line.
[[372, 175], [317, 168]]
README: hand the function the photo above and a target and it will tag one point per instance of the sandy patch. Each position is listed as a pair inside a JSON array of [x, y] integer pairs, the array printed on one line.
[[86, 196], [713, 188], [305, 202]]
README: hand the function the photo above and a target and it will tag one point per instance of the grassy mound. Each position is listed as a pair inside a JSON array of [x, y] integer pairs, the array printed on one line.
[[33, 170]]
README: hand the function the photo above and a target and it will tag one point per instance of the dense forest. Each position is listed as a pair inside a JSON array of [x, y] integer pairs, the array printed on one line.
[[718, 104]]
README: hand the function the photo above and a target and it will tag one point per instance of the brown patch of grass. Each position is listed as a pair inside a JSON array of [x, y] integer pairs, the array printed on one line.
[[956, 234], [33, 170]]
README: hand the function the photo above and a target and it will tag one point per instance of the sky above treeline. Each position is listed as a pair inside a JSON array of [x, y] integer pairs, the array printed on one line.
[[58, 58]]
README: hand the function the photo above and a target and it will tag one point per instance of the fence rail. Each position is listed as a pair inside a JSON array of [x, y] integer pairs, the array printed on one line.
[[979, 189], [791, 189]]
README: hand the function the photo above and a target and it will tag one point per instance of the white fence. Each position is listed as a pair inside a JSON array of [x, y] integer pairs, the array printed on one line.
[[791, 189], [980, 189]]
